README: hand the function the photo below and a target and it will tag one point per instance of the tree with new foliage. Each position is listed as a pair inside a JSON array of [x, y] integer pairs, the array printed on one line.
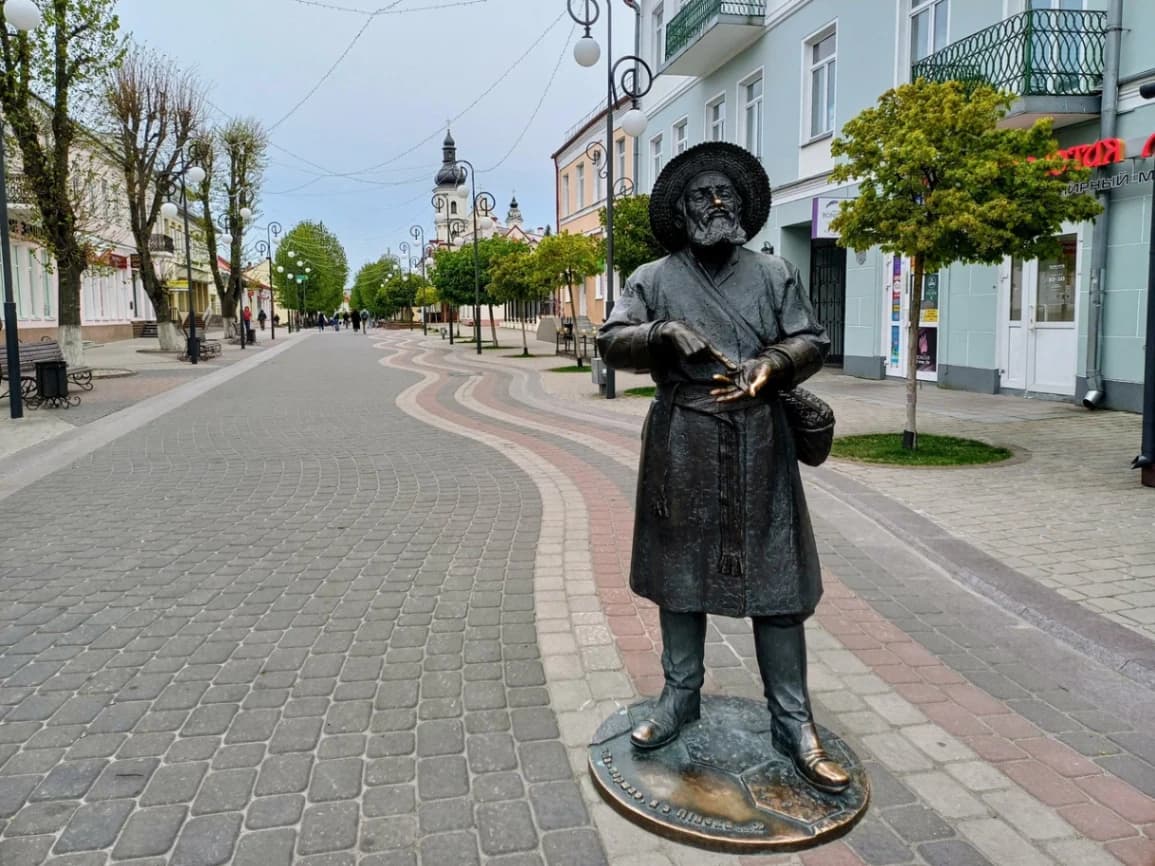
[[453, 274], [427, 296], [48, 79], [316, 261], [234, 163], [514, 278], [634, 241], [154, 110], [566, 260], [368, 283], [940, 182], [399, 294]]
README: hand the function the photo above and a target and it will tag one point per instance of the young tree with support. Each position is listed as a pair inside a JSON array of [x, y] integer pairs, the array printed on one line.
[[567, 260], [47, 82], [939, 181], [514, 278]]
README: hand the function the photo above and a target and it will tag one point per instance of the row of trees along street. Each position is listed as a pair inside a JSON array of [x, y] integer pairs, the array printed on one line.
[[512, 272], [84, 104]]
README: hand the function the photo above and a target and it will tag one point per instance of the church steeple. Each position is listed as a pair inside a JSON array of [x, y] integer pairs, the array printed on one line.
[[450, 173], [513, 218]]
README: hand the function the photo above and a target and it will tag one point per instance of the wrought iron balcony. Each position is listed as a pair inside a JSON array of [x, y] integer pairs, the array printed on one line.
[[706, 33], [19, 190], [161, 244], [1044, 52]]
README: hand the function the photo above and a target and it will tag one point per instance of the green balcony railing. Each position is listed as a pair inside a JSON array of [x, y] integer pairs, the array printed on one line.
[[1045, 52], [695, 17]]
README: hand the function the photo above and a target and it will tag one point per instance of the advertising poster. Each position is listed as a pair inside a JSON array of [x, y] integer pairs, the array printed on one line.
[[895, 345], [929, 312], [927, 360], [823, 211], [896, 291]]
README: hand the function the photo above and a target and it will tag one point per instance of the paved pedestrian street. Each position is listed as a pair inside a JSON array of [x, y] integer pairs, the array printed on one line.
[[364, 600]]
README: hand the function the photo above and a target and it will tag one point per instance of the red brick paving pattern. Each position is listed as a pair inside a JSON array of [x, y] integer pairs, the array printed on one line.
[[1098, 804]]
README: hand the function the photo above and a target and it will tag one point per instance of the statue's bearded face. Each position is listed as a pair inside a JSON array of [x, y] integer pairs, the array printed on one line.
[[711, 208]]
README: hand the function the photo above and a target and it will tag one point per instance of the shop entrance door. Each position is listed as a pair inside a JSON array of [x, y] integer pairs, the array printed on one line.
[[828, 293], [1041, 340]]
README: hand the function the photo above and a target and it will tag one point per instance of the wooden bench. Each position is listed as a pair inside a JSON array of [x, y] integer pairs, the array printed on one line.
[[46, 349], [208, 348]]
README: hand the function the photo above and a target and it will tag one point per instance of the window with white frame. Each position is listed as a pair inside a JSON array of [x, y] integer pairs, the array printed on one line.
[[565, 194], [655, 156], [716, 119], [680, 141], [751, 90], [659, 33], [600, 287], [620, 152], [821, 56], [580, 180], [928, 27]]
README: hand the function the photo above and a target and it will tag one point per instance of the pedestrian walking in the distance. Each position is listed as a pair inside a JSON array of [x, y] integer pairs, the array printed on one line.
[[262, 317]]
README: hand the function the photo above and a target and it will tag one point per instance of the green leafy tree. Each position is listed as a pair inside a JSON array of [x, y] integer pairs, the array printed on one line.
[[453, 274], [368, 284], [399, 294], [634, 241], [567, 259], [940, 182], [318, 266], [47, 81], [515, 278]]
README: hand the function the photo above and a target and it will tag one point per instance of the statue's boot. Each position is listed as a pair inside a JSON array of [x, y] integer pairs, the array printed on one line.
[[780, 643], [684, 664]]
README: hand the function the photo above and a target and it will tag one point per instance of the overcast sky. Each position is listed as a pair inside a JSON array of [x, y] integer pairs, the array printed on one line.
[[385, 105]]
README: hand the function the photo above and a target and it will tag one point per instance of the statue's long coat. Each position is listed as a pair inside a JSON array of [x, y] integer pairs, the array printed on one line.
[[721, 524]]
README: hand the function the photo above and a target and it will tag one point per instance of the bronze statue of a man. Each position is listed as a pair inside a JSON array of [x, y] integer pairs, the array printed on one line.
[[721, 524]]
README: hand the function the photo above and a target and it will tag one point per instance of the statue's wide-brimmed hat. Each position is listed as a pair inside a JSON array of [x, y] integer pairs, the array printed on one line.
[[737, 163]]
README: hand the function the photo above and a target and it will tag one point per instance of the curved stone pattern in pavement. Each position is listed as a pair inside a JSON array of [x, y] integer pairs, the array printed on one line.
[[285, 623], [984, 740]]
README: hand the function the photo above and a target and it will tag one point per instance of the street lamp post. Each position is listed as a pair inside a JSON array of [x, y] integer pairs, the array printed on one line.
[[1145, 462], [454, 228], [272, 232], [23, 16], [635, 82], [193, 174], [418, 235], [235, 225]]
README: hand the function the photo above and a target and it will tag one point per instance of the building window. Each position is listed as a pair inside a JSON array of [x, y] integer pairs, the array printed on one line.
[[581, 185], [659, 49], [565, 194], [821, 57], [752, 115], [680, 142], [928, 27], [656, 155], [453, 208], [620, 151], [716, 119]]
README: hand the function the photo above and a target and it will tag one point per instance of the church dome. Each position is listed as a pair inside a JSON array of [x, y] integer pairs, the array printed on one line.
[[450, 173]]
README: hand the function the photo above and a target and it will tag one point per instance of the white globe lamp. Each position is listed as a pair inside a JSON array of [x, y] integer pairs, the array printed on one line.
[[195, 175], [169, 210], [226, 240], [292, 254], [22, 14], [586, 51], [485, 223], [246, 213], [280, 269], [634, 122]]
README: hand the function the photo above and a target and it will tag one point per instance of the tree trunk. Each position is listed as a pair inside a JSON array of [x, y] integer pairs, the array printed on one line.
[[910, 434], [168, 333], [68, 333], [492, 325], [572, 305], [524, 340]]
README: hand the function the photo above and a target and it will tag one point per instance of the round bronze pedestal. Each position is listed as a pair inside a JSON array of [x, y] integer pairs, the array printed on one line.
[[721, 785]]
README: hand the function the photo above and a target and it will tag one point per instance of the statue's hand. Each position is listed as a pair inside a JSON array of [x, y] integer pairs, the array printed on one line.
[[751, 377], [689, 344]]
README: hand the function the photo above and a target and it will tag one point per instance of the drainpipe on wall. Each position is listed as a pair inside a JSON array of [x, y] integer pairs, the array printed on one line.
[[1100, 233]]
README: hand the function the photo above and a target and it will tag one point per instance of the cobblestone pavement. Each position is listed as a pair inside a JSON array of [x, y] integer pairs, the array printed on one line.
[[987, 740], [283, 623]]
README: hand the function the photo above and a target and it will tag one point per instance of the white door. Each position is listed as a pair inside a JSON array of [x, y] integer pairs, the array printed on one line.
[[1041, 339]]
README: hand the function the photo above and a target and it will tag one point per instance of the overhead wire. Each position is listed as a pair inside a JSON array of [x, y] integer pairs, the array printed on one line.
[[373, 13]]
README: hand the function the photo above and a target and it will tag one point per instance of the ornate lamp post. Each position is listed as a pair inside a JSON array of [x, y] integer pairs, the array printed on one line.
[[23, 16], [272, 232], [418, 235], [193, 174], [231, 227], [454, 228], [634, 82]]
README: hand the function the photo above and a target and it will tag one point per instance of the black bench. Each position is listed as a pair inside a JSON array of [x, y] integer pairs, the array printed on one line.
[[31, 354]]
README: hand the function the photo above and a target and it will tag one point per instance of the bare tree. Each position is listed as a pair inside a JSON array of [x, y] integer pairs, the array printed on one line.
[[156, 109], [233, 173], [45, 79]]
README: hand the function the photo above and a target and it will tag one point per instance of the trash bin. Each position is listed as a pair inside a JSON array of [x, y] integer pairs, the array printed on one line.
[[51, 380]]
